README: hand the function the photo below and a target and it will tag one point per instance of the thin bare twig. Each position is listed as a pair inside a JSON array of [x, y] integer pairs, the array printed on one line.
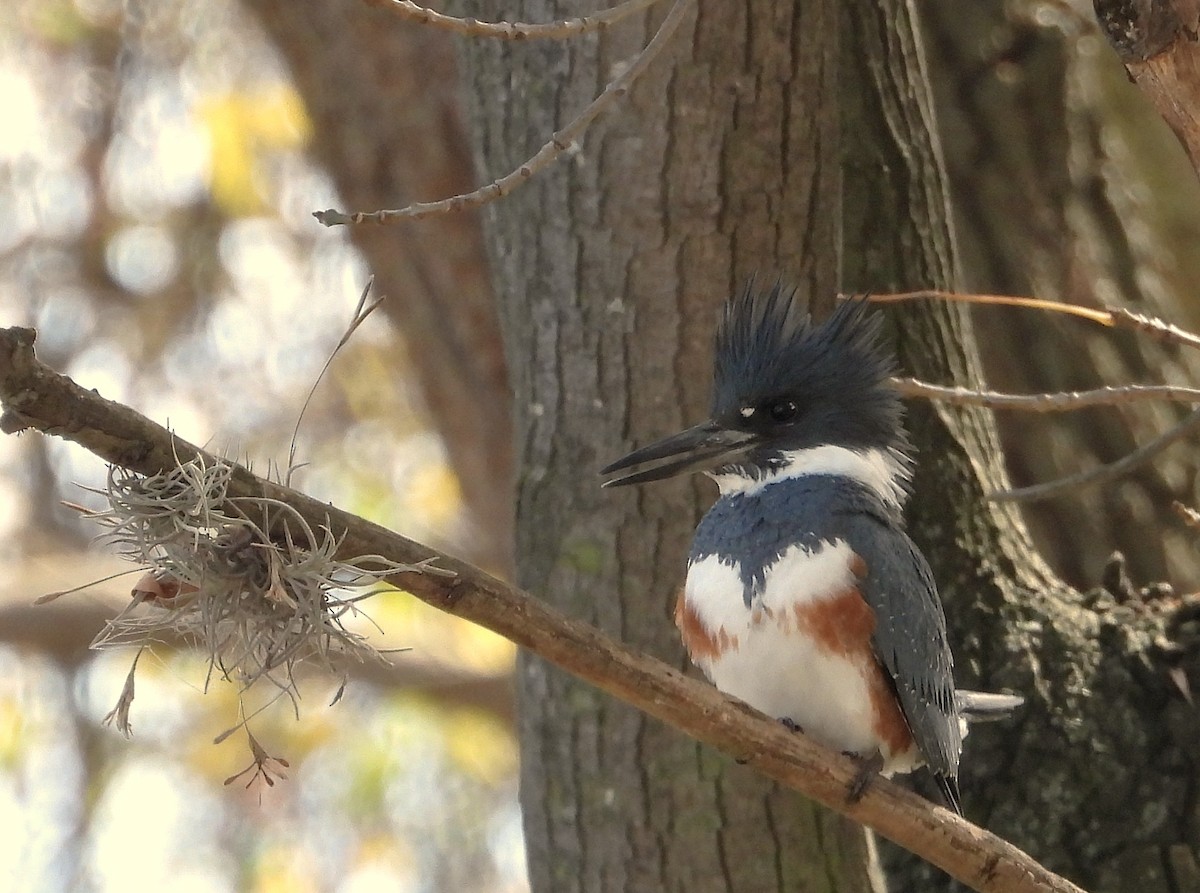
[[1111, 317], [36, 397], [1104, 473], [1097, 316], [470, 27], [1061, 401], [361, 312], [1156, 328], [559, 143]]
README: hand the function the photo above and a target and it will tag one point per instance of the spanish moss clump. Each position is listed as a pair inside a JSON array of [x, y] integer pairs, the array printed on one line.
[[256, 604]]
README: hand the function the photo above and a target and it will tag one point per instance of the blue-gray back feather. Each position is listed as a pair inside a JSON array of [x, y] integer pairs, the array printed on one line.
[[753, 530]]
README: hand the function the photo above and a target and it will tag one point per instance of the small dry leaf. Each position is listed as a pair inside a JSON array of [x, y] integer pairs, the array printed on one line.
[[264, 767], [1188, 515], [276, 592], [119, 715], [156, 586], [1179, 677]]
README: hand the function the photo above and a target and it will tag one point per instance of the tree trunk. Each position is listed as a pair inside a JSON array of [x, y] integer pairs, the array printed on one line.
[[610, 267]]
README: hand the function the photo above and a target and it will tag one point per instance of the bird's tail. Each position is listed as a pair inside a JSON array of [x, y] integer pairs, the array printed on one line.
[[975, 706], [986, 706], [948, 786]]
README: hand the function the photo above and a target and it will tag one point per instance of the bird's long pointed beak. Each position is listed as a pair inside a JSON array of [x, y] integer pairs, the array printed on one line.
[[697, 449]]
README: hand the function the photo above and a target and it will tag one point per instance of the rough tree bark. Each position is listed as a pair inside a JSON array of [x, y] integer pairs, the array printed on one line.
[[1097, 670], [1069, 186], [797, 138]]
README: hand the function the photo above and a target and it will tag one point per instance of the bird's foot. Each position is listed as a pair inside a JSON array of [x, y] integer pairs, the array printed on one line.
[[790, 724], [868, 768]]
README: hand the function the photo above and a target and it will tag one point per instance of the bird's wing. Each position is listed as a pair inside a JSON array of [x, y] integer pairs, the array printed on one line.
[[910, 634]]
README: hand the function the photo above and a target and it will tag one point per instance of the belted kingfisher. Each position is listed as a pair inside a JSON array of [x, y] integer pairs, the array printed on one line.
[[804, 596]]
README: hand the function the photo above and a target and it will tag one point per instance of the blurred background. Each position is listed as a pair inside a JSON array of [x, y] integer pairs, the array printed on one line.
[[157, 184], [159, 163]]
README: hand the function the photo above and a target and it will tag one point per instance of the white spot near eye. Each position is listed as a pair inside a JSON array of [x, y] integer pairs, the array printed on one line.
[[746, 411]]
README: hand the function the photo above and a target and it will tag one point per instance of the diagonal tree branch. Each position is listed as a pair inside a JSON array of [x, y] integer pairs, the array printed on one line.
[[36, 397], [1103, 474]]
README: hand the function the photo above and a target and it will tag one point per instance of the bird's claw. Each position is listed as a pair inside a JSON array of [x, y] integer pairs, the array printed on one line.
[[868, 768]]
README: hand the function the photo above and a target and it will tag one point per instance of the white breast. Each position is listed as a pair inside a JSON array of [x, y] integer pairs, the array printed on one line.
[[768, 656]]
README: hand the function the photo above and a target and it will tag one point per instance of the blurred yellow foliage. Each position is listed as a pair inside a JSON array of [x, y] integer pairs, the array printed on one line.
[[158, 698], [434, 495], [241, 127], [481, 649], [369, 764], [383, 862], [410, 623], [57, 21], [13, 716], [282, 869], [480, 745], [359, 371]]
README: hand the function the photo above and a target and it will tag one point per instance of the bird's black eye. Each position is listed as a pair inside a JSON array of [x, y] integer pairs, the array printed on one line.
[[783, 411]]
